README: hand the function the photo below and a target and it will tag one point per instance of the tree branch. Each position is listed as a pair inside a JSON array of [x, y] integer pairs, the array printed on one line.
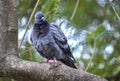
[[22, 70]]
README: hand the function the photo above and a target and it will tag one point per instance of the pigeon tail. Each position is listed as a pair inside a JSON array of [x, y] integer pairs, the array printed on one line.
[[69, 62]]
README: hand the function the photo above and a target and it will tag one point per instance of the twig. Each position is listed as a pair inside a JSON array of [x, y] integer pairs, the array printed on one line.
[[27, 50], [75, 9], [116, 13], [93, 53]]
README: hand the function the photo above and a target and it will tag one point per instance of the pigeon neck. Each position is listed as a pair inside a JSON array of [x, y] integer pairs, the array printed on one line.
[[38, 25], [41, 29]]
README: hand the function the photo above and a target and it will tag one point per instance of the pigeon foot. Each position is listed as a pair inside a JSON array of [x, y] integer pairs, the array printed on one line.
[[52, 61]]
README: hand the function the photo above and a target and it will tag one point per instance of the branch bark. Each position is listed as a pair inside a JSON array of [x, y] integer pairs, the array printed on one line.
[[30, 71], [13, 67]]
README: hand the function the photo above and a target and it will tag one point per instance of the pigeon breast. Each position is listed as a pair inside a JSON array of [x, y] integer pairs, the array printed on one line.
[[45, 43]]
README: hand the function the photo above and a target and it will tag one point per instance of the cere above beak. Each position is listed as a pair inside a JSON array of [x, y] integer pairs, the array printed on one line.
[[43, 18], [38, 19]]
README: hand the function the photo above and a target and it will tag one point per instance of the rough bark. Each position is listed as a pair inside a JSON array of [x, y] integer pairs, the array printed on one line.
[[13, 67]]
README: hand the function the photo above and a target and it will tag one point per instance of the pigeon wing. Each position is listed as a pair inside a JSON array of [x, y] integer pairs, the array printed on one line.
[[60, 40]]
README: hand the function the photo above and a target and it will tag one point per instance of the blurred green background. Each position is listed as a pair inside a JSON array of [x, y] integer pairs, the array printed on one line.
[[93, 33]]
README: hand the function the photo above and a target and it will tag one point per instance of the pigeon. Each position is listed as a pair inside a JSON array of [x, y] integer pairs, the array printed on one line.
[[50, 42]]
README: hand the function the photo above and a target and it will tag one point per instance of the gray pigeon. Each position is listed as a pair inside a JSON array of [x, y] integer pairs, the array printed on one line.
[[50, 42]]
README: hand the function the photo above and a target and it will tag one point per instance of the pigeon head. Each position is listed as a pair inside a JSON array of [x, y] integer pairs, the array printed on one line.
[[39, 18]]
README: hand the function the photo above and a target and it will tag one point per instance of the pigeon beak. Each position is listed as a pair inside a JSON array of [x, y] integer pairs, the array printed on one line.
[[43, 18]]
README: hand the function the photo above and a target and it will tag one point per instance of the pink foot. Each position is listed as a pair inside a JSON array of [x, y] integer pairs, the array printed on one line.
[[52, 61]]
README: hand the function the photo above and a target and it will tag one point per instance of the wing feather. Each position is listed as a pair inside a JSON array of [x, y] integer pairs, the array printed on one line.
[[60, 39]]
